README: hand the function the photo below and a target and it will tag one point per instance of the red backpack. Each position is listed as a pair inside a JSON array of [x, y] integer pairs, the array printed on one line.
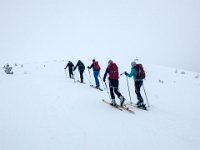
[[140, 73], [113, 71], [96, 65]]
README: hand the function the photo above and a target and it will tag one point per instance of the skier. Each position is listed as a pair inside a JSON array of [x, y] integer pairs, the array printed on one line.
[[70, 66], [112, 70], [81, 68], [96, 71], [138, 74]]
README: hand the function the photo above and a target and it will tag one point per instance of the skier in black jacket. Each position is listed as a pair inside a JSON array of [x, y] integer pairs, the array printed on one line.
[[81, 68], [70, 65]]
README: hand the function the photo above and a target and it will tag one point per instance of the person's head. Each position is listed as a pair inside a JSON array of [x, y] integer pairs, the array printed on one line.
[[93, 60], [133, 63], [110, 62]]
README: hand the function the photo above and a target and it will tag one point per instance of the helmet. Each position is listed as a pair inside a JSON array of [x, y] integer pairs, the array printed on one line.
[[110, 62], [133, 63]]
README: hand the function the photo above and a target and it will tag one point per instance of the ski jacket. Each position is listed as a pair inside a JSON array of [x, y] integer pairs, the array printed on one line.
[[112, 70], [133, 74], [70, 65], [92, 66], [80, 65]]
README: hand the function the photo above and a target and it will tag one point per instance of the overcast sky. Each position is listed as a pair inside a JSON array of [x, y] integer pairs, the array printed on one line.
[[165, 32]]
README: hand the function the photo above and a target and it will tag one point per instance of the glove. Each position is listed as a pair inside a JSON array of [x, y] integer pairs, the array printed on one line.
[[125, 73], [88, 67], [104, 80]]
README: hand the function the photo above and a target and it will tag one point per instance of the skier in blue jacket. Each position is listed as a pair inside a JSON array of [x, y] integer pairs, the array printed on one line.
[[96, 71]]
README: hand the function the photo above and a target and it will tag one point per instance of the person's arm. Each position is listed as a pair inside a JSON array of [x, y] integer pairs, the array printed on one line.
[[75, 66], [132, 73], [66, 66], [89, 67], [105, 74]]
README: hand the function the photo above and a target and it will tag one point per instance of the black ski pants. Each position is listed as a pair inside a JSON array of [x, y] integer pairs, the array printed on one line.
[[138, 85], [114, 88], [81, 74], [71, 73]]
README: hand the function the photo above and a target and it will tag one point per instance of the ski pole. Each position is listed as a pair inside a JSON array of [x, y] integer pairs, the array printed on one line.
[[76, 75], [146, 95], [128, 89], [87, 78], [90, 76], [107, 90], [65, 73], [122, 73], [102, 82], [73, 77]]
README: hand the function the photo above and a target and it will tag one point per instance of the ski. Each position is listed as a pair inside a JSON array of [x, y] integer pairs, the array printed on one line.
[[96, 87], [117, 106], [127, 108], [120, 107], [133, 105]]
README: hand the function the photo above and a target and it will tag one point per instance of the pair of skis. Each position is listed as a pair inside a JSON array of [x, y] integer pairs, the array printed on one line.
[[125, 106], [98, 88], [134, 105]]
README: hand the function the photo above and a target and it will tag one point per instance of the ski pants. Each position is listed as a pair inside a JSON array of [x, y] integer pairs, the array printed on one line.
[[138, 85], [70, 73], [96, 75], [81, 75], [114, 84]]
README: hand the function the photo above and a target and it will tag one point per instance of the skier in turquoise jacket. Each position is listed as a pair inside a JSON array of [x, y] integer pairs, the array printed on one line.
[[138, 83]]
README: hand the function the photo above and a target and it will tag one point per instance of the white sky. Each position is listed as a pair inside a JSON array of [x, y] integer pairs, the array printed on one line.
[[163, 32]]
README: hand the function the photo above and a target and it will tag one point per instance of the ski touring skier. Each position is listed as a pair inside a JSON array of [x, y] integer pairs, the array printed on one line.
[[81, 68], [138, 74], [96, 71], [112, 70], [70, 66]]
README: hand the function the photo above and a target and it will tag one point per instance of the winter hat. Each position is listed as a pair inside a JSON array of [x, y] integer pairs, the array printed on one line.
[[110, 62], [133, 63], [93, 60]]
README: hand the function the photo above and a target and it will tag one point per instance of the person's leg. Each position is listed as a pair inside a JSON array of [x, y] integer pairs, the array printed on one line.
[[112, 93], [96, 75], [81, 75], [70, 73], [138, 85]]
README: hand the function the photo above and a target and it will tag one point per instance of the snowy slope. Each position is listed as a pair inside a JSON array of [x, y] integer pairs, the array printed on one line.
[[41, 109]]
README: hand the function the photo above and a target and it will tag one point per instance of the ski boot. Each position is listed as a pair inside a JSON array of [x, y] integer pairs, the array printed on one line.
[[97, 86], [141, 105], [113, 103], [122, 99]]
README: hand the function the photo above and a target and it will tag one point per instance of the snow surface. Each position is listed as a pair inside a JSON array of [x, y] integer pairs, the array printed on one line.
[[42, 109]]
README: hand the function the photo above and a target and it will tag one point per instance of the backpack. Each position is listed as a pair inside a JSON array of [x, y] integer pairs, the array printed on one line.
[[96, 65], [113, 71], [81, 66], [140, 73]]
